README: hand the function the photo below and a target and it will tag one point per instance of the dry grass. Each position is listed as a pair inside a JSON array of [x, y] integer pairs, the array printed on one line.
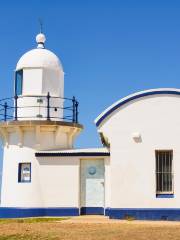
[[32, 220], [122, 230]]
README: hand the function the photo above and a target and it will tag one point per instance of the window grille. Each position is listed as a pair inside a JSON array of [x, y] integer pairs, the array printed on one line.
[[164, 172]]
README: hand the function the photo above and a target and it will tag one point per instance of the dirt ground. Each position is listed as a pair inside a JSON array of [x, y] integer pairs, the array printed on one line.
[[90, 228]]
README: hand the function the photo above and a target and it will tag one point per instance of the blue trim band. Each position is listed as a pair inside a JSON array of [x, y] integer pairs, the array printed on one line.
[[92, 210], [171, 92], [164, 195], [8, 212], [145, 213], [113, 213], [107, 211]]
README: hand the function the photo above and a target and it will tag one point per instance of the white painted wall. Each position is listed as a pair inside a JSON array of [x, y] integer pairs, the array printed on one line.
[[132, 164], [53, 82], [32, 81], [14, 194], [55, 181], [38, 82], [107, 182], [59, 181]]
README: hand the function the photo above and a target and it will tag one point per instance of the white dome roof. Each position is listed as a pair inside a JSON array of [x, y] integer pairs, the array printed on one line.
[[39, 57]]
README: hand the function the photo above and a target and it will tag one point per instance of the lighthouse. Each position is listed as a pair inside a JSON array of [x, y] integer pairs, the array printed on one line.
[[37, 118], [135, 174], [39, 72]]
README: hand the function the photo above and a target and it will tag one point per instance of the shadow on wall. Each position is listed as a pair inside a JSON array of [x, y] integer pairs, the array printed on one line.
[[58, 161], [138, 139]]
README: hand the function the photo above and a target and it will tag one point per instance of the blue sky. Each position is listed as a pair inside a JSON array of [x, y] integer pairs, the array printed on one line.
[[109, 49]]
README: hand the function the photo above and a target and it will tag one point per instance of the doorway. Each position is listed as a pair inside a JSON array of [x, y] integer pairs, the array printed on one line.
[[92, 186]]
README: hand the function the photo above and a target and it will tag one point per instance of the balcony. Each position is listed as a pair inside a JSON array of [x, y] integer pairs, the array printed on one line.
[[42, 107]]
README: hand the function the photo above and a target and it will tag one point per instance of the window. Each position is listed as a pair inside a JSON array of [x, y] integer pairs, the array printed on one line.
[[164, 172], [19, 82], [24, 174]]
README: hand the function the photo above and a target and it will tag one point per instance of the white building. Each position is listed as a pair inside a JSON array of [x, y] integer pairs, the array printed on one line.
[[135, 174]]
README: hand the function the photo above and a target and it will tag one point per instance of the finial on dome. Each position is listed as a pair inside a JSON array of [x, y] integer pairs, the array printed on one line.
[[40, 38]]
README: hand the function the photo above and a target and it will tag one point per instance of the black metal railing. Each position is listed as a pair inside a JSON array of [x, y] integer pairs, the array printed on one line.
[[52, 108]]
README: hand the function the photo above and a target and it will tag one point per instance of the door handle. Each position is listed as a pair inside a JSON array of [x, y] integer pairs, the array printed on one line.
[[102, 183]]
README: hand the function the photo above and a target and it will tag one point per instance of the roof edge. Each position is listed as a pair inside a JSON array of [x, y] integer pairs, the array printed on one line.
[[30, 123], [131, 97], [72, 154]]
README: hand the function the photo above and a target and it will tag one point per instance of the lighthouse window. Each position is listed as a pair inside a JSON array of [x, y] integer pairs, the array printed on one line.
[[24, 174], [19, 82]]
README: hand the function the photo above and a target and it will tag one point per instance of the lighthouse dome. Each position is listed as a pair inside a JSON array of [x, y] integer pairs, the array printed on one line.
[[39, 72], [39, 57]]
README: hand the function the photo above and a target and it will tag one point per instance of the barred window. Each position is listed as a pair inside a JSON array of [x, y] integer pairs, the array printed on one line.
[[164, 172]]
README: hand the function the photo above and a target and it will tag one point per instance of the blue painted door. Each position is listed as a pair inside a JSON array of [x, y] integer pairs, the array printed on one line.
[[92, 186]]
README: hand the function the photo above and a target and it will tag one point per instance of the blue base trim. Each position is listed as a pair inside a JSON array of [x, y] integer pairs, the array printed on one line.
[[145, 213], [92, 211], [107, 211], [165, 195], [62, 212], [6, 212]]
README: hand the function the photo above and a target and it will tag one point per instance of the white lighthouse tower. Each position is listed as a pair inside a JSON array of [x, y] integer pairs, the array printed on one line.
[[37, 118], [39, 72]]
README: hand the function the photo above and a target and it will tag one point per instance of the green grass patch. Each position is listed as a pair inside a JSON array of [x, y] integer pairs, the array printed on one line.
[[27, 237], [129, 218], [31, 220]]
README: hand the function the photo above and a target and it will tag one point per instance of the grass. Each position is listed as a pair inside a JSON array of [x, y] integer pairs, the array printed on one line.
[[56, 229], [129, 218], [28, 230], [31, 220], [26, 237]]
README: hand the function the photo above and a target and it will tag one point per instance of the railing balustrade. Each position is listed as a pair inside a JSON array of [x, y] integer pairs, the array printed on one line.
[[12, 108]]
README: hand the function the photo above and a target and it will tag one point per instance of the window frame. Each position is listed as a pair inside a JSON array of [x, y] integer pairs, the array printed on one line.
[[20, 170], [166, 193], [16, 82]]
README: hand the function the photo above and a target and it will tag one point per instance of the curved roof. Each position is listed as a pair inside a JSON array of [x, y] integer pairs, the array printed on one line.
[[39, 57], [132, 97]]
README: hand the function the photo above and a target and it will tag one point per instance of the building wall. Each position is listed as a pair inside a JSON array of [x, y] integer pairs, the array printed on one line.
[[38, 82], [132, 167], [53, 82], [13, 193], [32, 81], [59, 181], [55, 181]]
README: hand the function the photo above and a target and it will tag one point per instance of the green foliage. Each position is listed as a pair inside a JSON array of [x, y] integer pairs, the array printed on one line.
[[27, 237], [31, 220], [129, 217]]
